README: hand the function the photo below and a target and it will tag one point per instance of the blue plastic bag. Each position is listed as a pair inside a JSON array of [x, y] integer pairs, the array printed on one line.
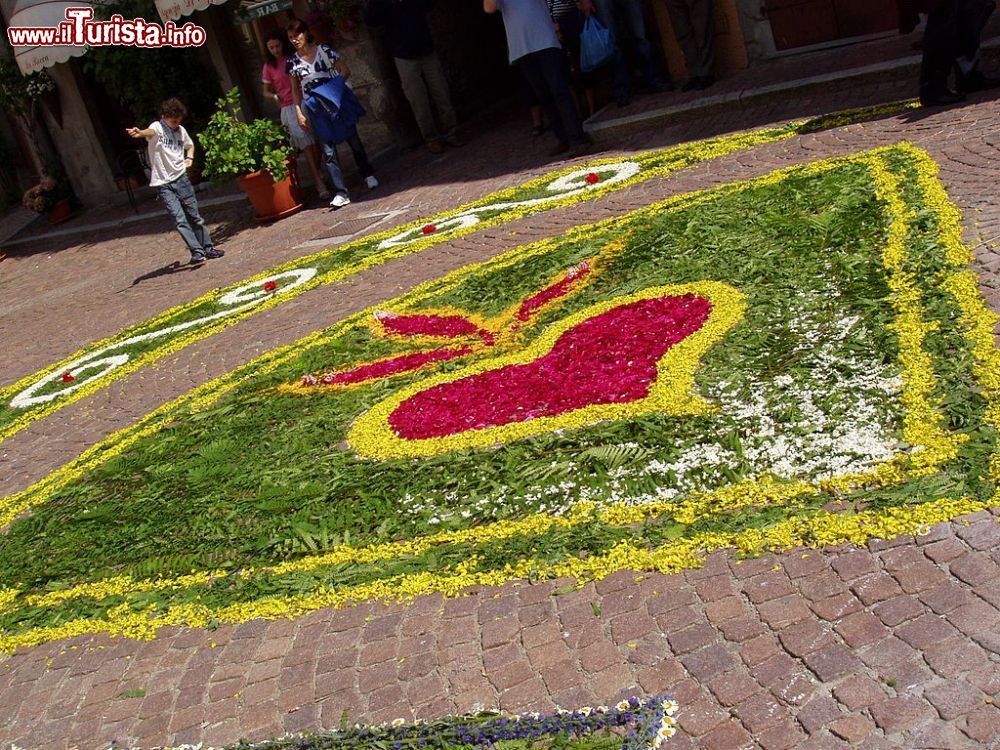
[[597, 45], [333, 110]]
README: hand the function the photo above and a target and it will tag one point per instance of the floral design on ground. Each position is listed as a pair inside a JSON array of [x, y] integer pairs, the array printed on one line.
[[39, 394], [614, 360], [860, 348], [647, 723]]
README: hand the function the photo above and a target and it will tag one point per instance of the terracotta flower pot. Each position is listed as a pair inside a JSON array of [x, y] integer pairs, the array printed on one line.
[[271, 200], [60, 212]]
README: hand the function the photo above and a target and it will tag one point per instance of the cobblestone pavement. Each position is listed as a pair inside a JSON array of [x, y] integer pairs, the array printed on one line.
[[894, 646]]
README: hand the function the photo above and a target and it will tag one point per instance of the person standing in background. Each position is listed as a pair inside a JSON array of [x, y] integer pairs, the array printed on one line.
[[420, 71], [533, 46], [621, 16], [694, 29]]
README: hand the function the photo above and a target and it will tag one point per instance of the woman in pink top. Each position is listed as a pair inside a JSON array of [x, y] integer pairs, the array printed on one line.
[[278, 86]]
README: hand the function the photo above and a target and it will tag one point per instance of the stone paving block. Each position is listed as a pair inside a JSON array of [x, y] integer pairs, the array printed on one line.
[[612, 682], [821, 585], [983, 724], [853, 729], [725, 736], [943, 735], [708, 662], [777, 668], [919, 576], [885, 653], [534, 614], [899, 610], [796, 689], [679, 618], [767, 586], [525, 696], [799, 563], [859, 691], [836, 607], [861, 629], [974, 618], [733, 687], [697, 719], [621, 602], [742, 629], [714, 588], [691, 639], [781, 736], [660, 677], [983, 532], [632, 627], [832, 661], [560, 676], [954, 699], [974, 569], [759, 649], [498, 657], [873, 589], [509, 675], [945, 550], [804, 637], [742, 569], [904, 712], [780, 613], [854, 565], [925, 631], [725, 608]]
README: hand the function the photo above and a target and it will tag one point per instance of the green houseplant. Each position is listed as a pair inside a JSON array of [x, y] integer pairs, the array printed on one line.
[[256, 154]]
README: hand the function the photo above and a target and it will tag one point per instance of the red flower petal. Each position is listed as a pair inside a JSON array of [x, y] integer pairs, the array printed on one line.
[[429, 229], [270, 286], [68, 377], [592, 178]]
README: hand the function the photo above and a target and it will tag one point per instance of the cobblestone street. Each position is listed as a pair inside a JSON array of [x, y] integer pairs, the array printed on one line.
[[888, 647]]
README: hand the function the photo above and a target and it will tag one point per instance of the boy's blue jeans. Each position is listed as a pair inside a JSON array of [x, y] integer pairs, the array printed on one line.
[[178, 197]]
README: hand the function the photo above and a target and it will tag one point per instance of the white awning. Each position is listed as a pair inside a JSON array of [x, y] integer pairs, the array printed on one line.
[[43, 13], [171, 10]]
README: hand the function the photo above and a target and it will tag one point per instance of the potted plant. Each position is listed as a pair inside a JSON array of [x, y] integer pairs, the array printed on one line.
[[256, 154], [52, 196]]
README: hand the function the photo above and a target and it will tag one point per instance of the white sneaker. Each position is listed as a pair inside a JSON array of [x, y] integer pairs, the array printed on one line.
[[339, 200], [372, 181]]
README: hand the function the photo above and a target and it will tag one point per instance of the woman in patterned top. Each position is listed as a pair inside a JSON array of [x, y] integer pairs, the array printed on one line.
[[310, 66], [278, 86]]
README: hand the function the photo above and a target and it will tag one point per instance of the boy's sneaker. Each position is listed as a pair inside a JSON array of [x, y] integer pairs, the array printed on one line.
[[197, 259], [371, 181], [339, 200], [214, 253]]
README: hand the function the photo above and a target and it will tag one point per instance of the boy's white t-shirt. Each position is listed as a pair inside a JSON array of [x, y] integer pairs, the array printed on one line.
[[166, 153]]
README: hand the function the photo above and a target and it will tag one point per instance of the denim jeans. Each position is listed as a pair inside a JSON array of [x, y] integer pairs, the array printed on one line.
[[625, 20], [547, 73], [332, 161], [178, 197]]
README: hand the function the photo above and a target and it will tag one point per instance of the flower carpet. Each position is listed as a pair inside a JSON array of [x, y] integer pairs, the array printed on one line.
[[799, 359]]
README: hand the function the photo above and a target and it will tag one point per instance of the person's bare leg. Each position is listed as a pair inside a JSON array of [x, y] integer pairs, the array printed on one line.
[[312, 157]]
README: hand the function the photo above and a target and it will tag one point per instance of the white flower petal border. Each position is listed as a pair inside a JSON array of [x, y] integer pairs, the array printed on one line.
[[236, 300], [573, 183]]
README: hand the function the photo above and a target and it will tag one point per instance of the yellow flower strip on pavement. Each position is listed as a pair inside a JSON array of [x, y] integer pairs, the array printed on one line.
[[688, 155], [809, 531]]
